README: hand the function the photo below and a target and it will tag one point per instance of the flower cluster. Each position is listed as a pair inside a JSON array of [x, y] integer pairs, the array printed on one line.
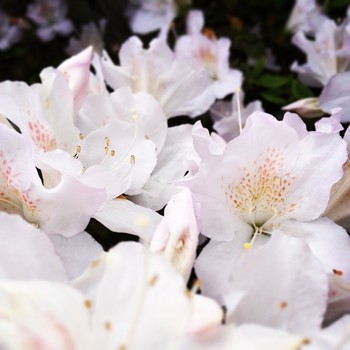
[[47, 16], [241, 238]]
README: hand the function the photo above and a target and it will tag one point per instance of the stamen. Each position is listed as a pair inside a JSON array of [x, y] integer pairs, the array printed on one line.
[[135, 116], [273, 216], [196, 286], [81, 136], [257, 232], [239, 110], [77, 151], [107, 142], [11, 203], [252, 209], [112, 152]]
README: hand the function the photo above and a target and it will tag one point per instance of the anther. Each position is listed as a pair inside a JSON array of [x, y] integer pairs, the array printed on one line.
[[107, 142], [77, 151], [134, 114]]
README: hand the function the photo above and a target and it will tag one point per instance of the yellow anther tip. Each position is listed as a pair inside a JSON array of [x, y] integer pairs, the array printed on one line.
[[247, 245], [238, 90]]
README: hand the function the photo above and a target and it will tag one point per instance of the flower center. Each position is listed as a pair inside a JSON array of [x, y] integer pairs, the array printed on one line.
[[260, 195]]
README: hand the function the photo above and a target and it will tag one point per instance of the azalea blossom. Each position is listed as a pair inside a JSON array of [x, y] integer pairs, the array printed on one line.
[[337, 208], [235, 277], [38, 110], [91, 35], [176, 237], [256, 193], [35, 255], [308, 107], [108, 155], [50, 16], [147, 16], [159, 311], [334, 96], [172, 165], [226, 115], [260, 199], [236, 244], [306, 16], [173, 83], [102, 317], [10, 34], [23, 193], [327, 55], [212, 55]]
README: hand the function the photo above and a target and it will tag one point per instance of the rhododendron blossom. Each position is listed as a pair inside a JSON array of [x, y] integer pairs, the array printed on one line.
[[255, 194], [327, 55], [212, 55], [50, 16], [147, 202], [157, 71]]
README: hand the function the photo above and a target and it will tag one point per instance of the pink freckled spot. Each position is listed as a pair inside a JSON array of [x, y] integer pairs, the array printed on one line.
[[332, 293]]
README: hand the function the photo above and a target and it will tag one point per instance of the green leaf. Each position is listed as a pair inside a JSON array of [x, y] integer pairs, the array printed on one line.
[[338, 3], [299, 90], [258, 68], [274, 99], [271, 81]]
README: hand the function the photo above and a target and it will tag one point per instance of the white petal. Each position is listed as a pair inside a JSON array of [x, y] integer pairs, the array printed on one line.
[[67, 208], [176, 237], [26, 252], [171, 167], [121, 215], [329, 242], [42, 315], [77, 252], [161, 310], [285, 286], [77, 70]]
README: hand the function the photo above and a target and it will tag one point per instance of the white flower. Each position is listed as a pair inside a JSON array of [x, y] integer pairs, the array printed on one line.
[[226, 115], [156, 71], [9, 34], [149, 15], [306, 17], [269, 174], [50, 15], [210, 54], [91, 35], [327, 55]]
